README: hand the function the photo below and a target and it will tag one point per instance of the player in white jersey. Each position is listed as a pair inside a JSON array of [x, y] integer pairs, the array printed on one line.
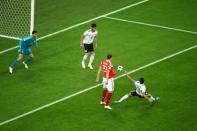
[[89, 38], [140, 91]]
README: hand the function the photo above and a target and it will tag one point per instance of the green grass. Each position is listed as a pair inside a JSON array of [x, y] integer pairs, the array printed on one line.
[[56, 71], [172, 13]]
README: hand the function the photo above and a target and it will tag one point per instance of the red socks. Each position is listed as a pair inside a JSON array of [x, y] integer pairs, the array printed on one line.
[[108, 98], [104, 93]]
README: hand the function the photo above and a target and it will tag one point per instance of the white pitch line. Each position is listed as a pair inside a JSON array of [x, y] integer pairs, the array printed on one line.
[[157, 61], [15, 38], [152, 25], [9, 49], [92, 87], [82, 23]]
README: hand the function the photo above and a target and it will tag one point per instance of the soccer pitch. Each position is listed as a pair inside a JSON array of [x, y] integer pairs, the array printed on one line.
[[156, 39]]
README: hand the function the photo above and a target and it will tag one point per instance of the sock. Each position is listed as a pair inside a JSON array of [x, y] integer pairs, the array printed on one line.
[[27, 60], [151, 99], [91, 59], [108, 99], [13, 65], [124, 97], [85, 57], [104, 93]]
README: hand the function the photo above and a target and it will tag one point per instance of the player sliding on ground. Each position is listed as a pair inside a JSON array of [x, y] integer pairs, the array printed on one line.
[[24, 49], [87, 39], [140, 91], [108, 81]]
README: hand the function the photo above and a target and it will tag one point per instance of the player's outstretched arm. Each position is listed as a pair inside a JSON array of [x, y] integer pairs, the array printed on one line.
[[36, 43], [128, 77], [98, 74], [81, 40], [95, 42]]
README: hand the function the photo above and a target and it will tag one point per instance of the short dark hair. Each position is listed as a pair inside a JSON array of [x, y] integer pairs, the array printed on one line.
[[109, 56], [34, 32], [141, 80], [93, 25]]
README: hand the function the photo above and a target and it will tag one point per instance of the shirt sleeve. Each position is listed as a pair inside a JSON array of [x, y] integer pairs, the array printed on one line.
[[27, 38], [96, 33], [133, 81], [85, 33], [35, 43], [21, 44]]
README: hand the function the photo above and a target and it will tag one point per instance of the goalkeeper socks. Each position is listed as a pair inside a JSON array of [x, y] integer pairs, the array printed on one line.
[[124, 97], [91, 59], [13, 65], [85, 57], [104, 93], [27, 60], [108, 98]]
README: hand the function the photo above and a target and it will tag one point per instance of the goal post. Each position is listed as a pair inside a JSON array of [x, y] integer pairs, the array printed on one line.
[[32, 15], [16, 18]]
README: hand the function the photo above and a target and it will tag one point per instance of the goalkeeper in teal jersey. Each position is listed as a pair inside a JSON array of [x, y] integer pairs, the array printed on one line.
[[24, 49]]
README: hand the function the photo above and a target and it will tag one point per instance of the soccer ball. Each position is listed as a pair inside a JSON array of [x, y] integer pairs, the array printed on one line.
[[120, 68]]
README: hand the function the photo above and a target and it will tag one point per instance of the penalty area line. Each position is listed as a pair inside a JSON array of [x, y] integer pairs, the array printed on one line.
[[95, 86], [151, 25]]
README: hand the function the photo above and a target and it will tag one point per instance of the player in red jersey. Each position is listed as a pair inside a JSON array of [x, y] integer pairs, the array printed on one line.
[[108, 81]]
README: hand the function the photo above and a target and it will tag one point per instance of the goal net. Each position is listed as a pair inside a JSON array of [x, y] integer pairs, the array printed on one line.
[[16, 18]]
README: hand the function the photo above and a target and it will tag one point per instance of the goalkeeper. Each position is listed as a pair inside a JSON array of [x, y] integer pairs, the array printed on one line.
[[140, 91], [24, 49]]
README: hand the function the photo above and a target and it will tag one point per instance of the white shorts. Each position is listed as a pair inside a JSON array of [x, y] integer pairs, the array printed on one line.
[[110, 85]]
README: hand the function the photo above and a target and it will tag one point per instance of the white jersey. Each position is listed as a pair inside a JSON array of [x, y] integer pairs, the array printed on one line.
[[140, 88], [89, 36]]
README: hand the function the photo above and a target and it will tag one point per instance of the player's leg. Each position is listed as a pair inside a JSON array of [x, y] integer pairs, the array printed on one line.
[[110, 88], [104, 92], [84, 59], [150, 98], [124, 97], [28, 59], [92, 54], [15, 62], [109, 95], [86, 54]]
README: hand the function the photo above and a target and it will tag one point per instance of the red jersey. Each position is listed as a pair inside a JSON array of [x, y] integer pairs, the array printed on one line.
[[106, 65]]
